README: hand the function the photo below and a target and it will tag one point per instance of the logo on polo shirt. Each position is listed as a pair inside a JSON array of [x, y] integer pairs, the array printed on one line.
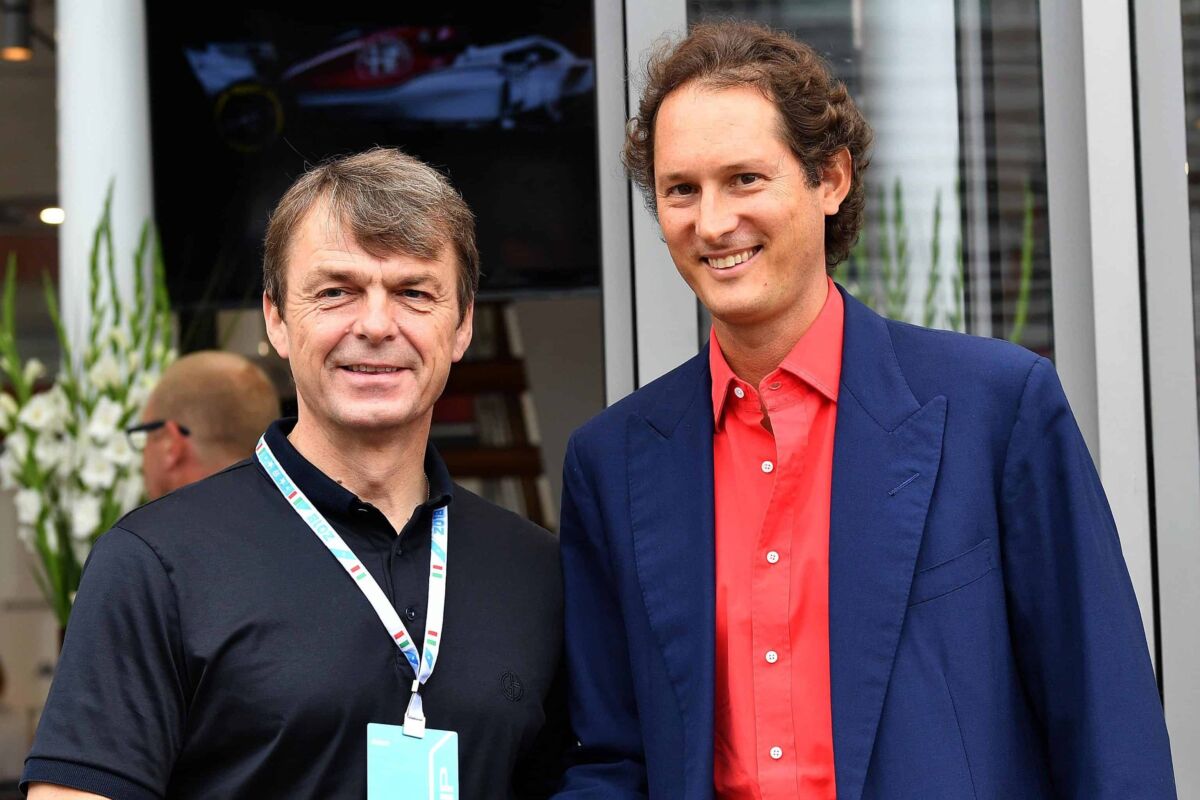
[[510, 684]]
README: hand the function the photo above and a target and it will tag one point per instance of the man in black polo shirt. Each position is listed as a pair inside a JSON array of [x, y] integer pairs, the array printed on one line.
[[224, 642]]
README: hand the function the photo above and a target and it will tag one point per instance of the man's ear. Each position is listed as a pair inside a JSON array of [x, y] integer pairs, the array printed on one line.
[[178, 446], [835, 181], [466, 329], [276, 327]]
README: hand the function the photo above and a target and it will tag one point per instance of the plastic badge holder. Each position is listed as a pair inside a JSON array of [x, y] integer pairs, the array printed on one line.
[[402, 767]]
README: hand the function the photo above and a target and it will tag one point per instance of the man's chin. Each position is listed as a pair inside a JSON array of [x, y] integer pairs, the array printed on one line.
[[735, 312], [373, 421]]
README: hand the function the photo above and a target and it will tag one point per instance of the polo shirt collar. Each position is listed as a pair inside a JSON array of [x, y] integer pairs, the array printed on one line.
[[329, 496], [815, 359]]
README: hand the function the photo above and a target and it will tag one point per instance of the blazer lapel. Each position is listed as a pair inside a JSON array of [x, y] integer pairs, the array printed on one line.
[[887, 449], [671, 515]]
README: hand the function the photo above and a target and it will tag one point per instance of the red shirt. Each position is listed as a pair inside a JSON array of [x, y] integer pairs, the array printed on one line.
[[773, 733]]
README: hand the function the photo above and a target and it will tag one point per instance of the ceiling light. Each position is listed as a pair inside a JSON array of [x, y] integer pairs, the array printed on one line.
[[52, 215], [15, 34], [17, 31]]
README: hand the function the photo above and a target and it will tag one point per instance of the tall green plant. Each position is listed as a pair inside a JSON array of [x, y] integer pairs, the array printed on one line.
[[896, 289], [65, 451], [1021, 310], [935, 257]]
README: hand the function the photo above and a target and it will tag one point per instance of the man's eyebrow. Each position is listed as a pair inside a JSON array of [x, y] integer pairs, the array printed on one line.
[[754, 165], [320, 275], [672, 177], [417, 278]]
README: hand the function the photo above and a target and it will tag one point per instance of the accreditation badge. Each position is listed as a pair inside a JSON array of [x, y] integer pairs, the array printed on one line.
[[401, 767]]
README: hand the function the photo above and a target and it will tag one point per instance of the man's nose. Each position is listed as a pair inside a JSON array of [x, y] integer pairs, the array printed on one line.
[[375, 321], [716, 216]]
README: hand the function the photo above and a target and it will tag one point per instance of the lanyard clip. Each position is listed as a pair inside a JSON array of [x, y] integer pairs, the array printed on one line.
[[414, 716]]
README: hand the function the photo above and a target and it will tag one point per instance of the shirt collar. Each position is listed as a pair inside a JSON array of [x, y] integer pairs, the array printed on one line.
[[815, 359], [329, 496]]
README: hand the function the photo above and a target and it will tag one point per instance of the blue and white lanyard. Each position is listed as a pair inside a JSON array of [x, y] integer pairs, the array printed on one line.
[[422, 663]]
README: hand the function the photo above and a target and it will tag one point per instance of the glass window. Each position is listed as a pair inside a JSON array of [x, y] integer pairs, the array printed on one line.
[[956, 234], [1191, 84]]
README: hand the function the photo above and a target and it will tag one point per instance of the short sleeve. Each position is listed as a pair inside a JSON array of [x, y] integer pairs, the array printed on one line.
[[113, 723]]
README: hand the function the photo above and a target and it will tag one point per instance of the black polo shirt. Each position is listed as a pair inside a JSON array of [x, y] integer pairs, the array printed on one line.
[[218, 650]]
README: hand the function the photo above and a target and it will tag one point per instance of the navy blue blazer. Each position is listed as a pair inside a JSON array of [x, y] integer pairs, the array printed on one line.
[[985, 641]]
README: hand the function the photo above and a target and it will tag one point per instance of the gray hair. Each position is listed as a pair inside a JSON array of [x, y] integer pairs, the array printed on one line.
[[390, 203]]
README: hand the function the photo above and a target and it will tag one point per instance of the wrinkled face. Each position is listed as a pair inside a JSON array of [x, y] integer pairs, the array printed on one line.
[[370, 341], [744, 227]]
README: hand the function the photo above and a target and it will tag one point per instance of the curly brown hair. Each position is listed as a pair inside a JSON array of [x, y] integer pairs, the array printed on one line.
[[819, 118]]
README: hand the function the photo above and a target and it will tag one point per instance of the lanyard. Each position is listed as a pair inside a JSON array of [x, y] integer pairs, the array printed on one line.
[[421, 663]]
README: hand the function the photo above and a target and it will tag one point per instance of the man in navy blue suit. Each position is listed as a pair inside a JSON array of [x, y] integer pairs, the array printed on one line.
[[833, 555]]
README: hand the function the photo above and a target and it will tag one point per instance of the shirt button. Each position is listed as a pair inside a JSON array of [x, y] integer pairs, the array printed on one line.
[[411, 613], [739, 391], [772, 557], [768, 467], [776, 753], [772, 656]]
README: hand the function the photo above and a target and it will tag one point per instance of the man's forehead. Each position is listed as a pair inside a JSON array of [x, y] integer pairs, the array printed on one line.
[[321, 228], [727, 124]]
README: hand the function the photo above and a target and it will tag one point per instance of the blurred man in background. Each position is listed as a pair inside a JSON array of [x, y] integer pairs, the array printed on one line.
[[206, 413]]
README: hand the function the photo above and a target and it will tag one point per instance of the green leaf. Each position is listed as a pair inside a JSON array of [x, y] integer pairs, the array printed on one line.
[[50, 291], [935, 257], [110, 251], [1021, 311]]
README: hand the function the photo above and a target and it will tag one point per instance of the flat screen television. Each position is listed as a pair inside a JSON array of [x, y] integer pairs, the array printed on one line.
[[499, 96]]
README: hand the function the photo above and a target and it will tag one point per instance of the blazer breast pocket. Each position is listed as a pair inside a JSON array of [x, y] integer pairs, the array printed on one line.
[[955, 573]]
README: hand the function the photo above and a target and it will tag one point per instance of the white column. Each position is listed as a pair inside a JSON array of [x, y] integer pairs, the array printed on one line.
[[1171, 351], [620, 358], [1090, 161], [103, 136], [1112, 190], [665, 312]]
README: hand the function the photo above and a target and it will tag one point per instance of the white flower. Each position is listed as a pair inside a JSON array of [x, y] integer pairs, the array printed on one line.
[[120, 337], [8, 411], [12, 462], [85, 516], [10, 469], [29, 506], [26, 533], [43, 412], [142, 386], [105, 373], [18, 444], [131, 362], [129, 492], [34, 369], [120, 452], [96, 471], [105, 418], [49, 452]]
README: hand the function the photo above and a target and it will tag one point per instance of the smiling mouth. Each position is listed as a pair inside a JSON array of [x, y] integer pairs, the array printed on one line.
[[727, 262], [369, 370]]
